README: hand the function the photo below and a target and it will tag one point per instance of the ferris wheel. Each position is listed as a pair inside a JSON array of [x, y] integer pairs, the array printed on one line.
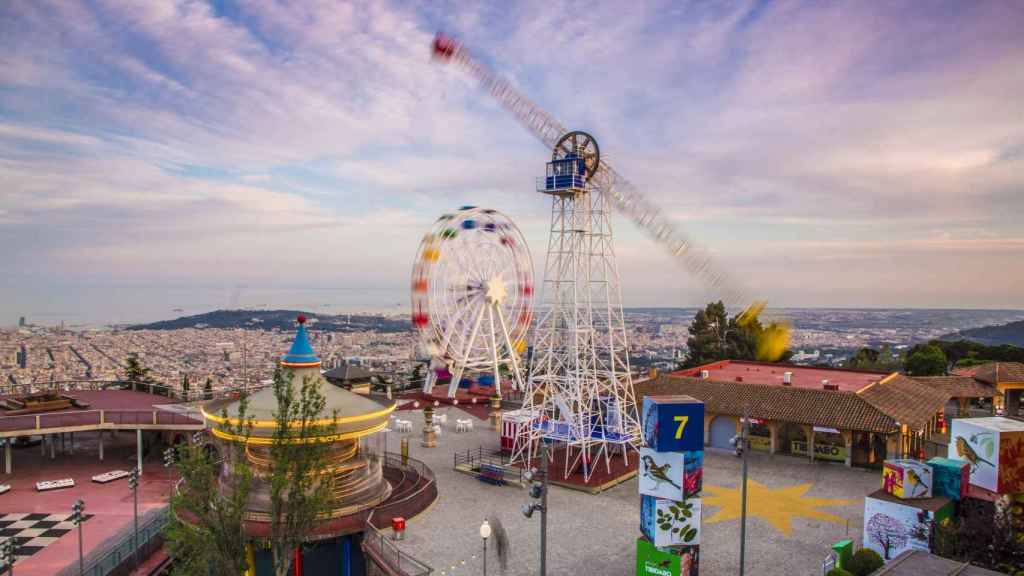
[[472, 293]]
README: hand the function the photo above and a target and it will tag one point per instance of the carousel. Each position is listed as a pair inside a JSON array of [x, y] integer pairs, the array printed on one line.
[[355, 454]]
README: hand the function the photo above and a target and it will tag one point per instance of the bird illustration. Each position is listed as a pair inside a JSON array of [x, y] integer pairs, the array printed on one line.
[[916, 480], [967, 453], [657, 473]]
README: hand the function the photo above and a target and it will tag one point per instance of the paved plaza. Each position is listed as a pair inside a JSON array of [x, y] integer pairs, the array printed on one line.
[[797, 509]]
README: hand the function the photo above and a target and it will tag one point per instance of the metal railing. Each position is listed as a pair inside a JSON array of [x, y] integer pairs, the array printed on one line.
[[194, 394], [126, 417], [383, 550], [474, 459], [116, 555]]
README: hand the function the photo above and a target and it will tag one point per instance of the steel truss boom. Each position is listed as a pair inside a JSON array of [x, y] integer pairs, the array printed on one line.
[[626, 197]]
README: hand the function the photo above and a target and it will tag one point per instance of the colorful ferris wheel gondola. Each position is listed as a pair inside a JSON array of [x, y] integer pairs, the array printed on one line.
[[472, 294]]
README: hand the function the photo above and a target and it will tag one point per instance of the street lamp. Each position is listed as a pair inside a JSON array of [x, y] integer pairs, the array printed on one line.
[[742, 445], [7, 548], [133, 483], [539, 493], [485, 533], [76, 517], [169, 454]]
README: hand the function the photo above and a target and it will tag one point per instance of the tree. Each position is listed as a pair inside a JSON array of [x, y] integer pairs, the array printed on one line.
[[208, 389], [135, 372], [205, 533], [881, 360], [981, 536], [714, 336], [184, 385], [926, 360], [864, 562], [299, 492], [887, 532]]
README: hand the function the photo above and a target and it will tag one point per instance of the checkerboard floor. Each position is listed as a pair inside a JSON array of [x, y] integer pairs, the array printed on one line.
[[33, 532]]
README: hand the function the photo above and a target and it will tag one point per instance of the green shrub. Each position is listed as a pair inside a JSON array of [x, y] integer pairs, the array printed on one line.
[[864, 562], [838, 572]]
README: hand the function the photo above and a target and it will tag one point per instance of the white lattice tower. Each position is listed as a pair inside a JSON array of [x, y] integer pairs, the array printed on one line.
[[580, 389]]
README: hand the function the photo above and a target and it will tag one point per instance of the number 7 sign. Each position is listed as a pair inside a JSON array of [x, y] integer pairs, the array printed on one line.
[[673, 423]]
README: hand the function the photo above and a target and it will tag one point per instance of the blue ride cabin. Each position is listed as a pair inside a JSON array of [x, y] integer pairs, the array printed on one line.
[[564, 174]]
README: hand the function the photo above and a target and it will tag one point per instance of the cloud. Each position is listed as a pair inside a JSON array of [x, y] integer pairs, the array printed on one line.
[[217, 140]]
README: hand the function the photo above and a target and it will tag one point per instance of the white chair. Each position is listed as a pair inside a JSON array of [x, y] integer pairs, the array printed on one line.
[[460, 425], [441, 418]]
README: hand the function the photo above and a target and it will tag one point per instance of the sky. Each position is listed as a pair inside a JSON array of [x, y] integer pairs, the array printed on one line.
[[208, 154]]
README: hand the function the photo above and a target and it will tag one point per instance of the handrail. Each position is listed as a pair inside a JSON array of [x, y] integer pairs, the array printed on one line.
[[383, 550], [119, 550], [156, 388]]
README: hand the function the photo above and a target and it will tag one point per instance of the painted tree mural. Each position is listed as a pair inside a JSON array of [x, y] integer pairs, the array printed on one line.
[[887, 532]]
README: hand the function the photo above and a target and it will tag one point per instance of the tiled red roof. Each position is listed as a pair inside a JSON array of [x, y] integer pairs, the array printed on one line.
[[834, 409], [959, 386], [906, 400], [996, 373]]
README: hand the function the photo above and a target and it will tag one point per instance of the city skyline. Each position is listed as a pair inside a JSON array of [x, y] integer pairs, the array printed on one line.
[[187, 154]]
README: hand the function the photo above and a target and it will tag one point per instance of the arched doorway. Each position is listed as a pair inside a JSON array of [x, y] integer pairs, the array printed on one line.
[[722, 429]]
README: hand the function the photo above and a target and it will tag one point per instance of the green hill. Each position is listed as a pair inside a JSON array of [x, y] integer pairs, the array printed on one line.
[[1012, 334], [283, 320]]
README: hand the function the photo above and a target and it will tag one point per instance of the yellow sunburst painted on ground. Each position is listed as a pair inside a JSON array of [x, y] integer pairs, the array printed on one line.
[[776, 506]]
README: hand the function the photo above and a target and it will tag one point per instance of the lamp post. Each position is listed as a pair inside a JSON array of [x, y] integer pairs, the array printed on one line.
[[742, 447], [169, 464], [76, 516], [539, 491], [133, 483], [7, 548], [485, 533]]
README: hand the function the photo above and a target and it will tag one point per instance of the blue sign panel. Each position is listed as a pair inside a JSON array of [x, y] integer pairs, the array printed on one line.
[[673, 423]]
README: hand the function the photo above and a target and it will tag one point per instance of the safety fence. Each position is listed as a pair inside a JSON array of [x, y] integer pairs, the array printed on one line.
[[98, 418], [473, 459], [117, 555], [387, 556]]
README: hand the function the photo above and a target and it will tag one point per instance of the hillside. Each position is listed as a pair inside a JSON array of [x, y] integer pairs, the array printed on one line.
[[1012, 333], [283, 320]]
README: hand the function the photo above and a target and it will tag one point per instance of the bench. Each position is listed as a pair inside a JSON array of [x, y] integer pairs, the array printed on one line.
[[54, 484], [110, 476], [492, 474]]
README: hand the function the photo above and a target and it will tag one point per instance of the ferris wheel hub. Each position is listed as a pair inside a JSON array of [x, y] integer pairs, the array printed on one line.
[[496, 291]]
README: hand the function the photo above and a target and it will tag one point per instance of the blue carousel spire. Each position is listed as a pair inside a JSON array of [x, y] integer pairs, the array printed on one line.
[[301, 352]]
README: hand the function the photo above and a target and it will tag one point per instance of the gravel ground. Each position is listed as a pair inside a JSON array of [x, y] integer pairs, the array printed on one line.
[[596, 535]]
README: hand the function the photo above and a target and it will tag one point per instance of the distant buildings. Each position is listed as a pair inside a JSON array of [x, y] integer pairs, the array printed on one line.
[[21, 322]]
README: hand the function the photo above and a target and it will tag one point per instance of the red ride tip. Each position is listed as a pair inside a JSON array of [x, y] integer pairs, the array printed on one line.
[[301, 319], [444, 46]]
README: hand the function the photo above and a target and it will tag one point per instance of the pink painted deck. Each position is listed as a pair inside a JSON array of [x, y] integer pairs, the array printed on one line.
[[110, 503]]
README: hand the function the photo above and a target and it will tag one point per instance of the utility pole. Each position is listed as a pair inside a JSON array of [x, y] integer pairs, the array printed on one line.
[[76, 516], [133, 483], [539, 491], [744, 431]]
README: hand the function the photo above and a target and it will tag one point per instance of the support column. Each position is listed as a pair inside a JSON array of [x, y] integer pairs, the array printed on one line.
[[138, 450], [101, 445], [809, 434], [71, 443], [773, 437], [42, 444], [496, 412], [8, 456], [53, 447], [848, 441], [707, 428]]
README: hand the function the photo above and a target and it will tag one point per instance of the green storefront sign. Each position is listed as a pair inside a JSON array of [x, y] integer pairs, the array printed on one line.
[[821, 451], [653, 562]]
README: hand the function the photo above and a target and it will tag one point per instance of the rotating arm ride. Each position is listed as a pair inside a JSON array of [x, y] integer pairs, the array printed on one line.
[[626, 197]]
